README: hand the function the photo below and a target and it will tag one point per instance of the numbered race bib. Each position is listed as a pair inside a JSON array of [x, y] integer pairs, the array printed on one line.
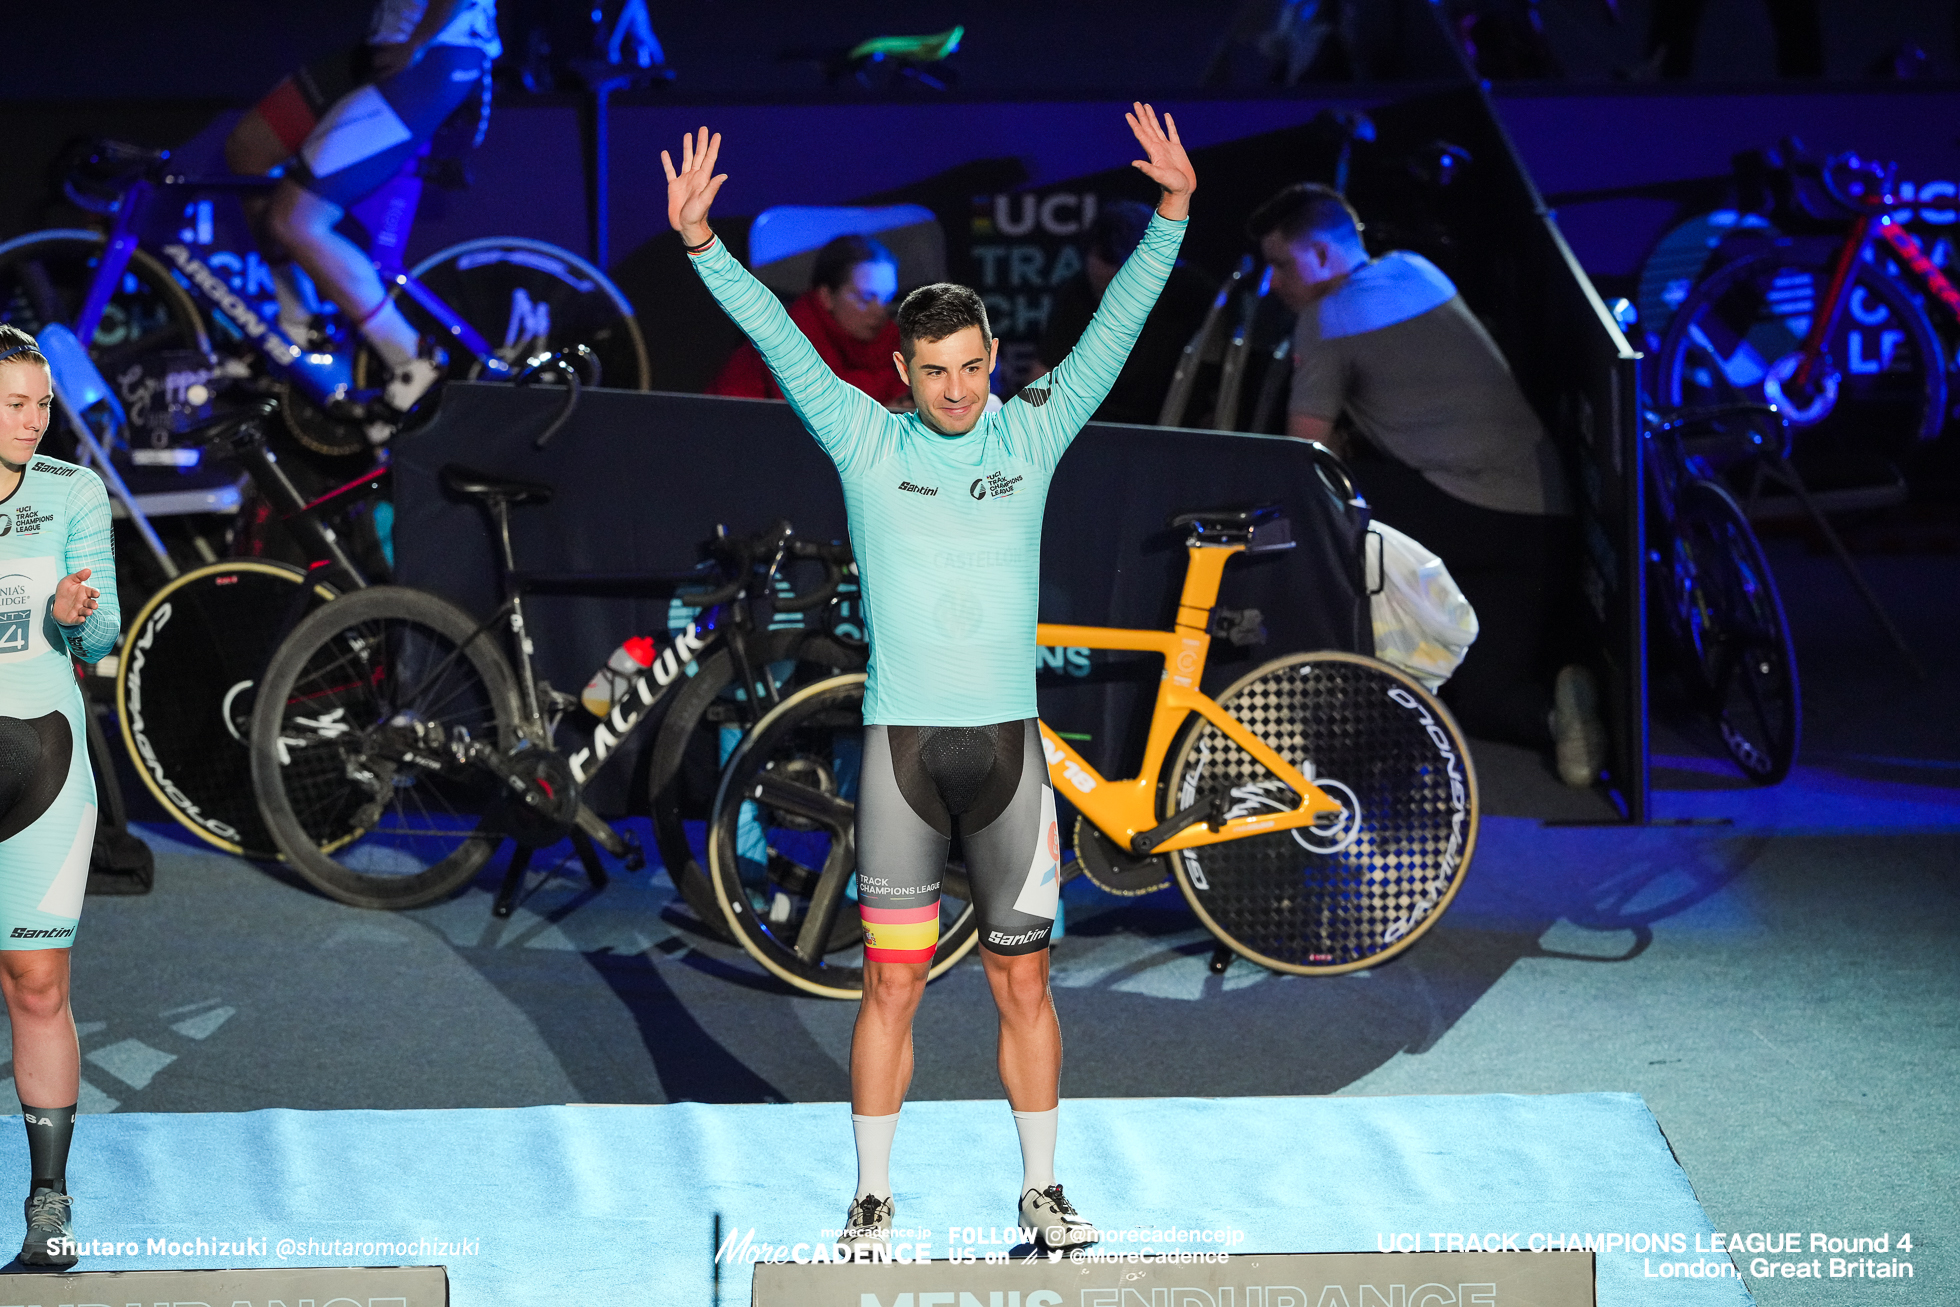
[[26, 585]]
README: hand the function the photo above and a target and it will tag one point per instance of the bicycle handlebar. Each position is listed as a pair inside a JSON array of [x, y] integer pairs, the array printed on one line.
[[837, 564], [560, 363], [1860, 185], [740, 556]]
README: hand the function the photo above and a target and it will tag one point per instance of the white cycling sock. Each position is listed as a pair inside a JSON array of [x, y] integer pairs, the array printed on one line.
[[1037, 1131], [874, 1150]]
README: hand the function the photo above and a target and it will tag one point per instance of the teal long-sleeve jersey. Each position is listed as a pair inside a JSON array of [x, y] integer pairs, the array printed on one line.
[[55, 523], [947, 529]]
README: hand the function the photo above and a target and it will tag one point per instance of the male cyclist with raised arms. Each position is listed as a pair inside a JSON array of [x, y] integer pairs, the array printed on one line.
[[342, 128], [945, 509], [57, 602]]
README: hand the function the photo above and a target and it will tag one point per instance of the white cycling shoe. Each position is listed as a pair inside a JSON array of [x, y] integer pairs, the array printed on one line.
[[868, 1224], [406, 388], [1054, 1219]]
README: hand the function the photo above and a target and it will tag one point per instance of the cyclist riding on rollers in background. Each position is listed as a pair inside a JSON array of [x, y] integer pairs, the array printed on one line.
[[341, 128], [57, 602], [945, 508]]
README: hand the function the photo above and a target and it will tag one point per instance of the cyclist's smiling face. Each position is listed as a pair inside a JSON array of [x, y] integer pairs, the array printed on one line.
[[26, 400], [949, 379]]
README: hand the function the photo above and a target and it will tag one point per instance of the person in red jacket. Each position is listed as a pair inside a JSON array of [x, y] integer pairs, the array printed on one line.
[[846, 313]]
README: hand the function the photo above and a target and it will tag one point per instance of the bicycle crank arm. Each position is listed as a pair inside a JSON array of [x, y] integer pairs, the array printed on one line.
[[1191, 828], [602, 834], [1145, 843], [1202, 833]]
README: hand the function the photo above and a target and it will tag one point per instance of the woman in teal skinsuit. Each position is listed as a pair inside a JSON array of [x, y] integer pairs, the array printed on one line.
[[57, 603]]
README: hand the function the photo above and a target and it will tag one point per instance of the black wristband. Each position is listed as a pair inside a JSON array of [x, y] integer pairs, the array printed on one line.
[[696, 249]]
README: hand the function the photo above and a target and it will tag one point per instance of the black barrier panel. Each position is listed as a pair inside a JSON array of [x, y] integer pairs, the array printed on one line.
[[643, 479]]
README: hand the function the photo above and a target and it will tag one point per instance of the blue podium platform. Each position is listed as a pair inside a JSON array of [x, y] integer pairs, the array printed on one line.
[[619, 1204]]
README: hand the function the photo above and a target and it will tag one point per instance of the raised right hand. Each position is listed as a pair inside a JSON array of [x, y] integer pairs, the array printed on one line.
[[692, 190]]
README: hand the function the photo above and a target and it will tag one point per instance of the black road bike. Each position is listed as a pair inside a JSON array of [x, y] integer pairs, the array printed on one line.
[[396, 744], [1712, 586]]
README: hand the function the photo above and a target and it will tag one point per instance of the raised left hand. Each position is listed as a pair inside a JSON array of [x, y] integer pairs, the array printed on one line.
[[1165, 163], [74, 599]]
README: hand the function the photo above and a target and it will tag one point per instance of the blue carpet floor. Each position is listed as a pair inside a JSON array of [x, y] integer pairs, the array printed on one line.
[[617, 1203]]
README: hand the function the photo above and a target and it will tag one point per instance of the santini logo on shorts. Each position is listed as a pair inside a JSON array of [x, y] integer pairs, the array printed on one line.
[[1006, 940], [60, 932], [918, 490]]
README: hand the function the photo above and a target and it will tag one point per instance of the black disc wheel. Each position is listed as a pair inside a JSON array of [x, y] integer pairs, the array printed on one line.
[[782, 846], [1882, 387], [360, 720], [1729, 631], [45, 276], [1351, 892], [526, 297], [185, 687], [685, 763]]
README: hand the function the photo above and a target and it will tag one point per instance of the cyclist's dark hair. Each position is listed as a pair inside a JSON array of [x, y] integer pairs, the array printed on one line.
[[836, 260], [16, 346], [937, 311], [1307, 209], [1118, 230]]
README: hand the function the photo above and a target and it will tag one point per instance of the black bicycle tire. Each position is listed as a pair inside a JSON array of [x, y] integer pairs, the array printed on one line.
[[677, 728], [1452, 800], [1747, 571], [1925, 340], [377, 603], [841, 981], [166, 784], [146, 267], [627, 322]]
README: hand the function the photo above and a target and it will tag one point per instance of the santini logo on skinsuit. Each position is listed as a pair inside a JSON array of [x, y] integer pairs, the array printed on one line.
[[53, 932], [918, 490]]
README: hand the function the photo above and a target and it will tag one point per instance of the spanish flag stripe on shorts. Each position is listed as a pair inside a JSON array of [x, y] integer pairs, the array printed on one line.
[[900, 934]]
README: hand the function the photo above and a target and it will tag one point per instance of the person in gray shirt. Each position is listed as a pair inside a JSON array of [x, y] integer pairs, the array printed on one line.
[[1395, 374]]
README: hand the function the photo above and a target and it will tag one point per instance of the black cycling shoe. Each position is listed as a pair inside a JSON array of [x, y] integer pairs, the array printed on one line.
[[50, 1230]]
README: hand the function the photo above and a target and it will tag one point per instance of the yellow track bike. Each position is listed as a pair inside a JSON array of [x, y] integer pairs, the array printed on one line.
[[1318, 815]]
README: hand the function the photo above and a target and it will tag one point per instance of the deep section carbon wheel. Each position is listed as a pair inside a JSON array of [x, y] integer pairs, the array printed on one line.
[[1735, 339], [356, 738], [526, 298], [687, 754], [780, 869], [1348, 893], [185, 687], [45, 277], [1729, 630]]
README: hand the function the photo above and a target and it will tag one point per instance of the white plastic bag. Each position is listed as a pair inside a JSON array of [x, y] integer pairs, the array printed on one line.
[[1423, 624]]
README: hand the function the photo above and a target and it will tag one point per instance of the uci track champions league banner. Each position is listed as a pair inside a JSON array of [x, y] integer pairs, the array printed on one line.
[[1024, 246], [1088, 1278]]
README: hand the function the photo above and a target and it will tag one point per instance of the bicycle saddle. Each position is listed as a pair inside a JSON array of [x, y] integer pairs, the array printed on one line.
[[1259, 528], [1225, 519], [491, 488]]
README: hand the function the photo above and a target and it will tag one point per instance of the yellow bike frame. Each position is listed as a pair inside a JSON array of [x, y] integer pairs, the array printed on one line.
[[1124, 809]]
